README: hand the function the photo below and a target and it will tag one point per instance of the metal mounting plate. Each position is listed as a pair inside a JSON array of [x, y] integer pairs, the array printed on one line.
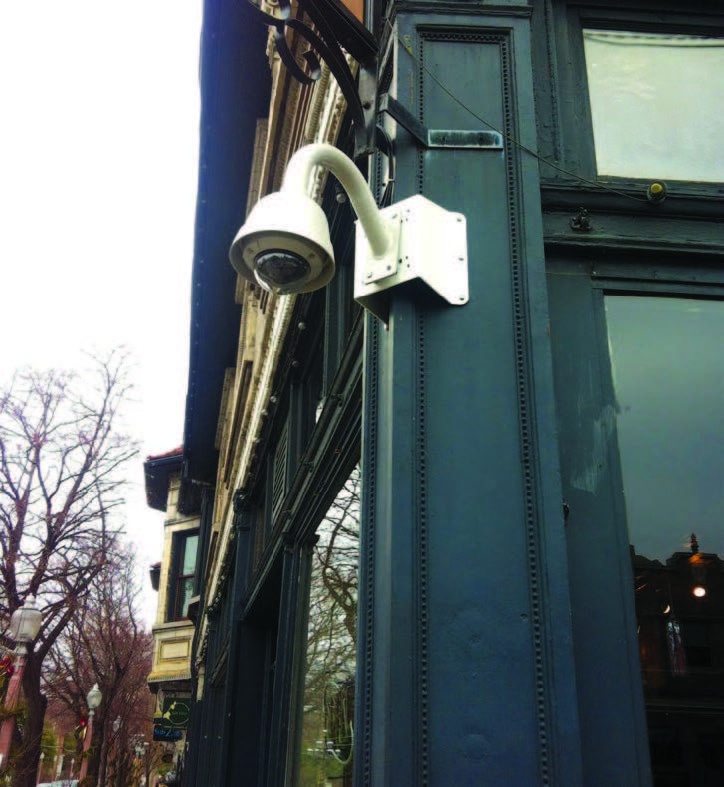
[[432, 247]]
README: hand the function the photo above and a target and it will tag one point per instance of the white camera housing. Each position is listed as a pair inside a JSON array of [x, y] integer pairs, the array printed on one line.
[[284, 245]]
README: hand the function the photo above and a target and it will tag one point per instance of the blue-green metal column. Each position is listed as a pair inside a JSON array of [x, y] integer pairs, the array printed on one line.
[[465, 672]]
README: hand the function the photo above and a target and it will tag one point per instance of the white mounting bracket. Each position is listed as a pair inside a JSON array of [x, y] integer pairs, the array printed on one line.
[[428, 243]]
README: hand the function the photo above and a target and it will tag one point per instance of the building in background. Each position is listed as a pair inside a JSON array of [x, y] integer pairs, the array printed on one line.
[[416, 534], [174, 578]]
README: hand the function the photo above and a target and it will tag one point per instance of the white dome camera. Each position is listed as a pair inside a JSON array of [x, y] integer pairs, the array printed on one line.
[[284, 245]]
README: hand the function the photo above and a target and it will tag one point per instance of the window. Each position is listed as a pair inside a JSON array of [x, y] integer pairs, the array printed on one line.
[[182, 583], [639, 383], [327, 745], [656, 104], [668, 376]]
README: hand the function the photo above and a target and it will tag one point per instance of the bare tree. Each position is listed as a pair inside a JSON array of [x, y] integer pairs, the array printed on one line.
[[61, 456], [104, 643]]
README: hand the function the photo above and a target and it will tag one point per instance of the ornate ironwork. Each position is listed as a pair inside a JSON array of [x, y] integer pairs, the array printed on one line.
[[331, 27]]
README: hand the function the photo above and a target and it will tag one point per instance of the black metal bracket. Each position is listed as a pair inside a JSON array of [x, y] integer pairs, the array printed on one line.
[[439, 138], [336, 28]]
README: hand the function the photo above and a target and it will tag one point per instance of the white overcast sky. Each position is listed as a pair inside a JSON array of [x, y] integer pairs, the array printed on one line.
[[98, 174]]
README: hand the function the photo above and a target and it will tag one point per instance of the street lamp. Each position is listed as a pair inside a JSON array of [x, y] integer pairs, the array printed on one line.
[[93, 698], [24, 627]]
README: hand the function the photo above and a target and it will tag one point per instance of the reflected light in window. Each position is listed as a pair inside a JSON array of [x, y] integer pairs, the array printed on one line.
[[699, 591]]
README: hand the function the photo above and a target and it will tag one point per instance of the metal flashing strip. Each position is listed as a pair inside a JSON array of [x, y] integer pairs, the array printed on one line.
[[440, 138]]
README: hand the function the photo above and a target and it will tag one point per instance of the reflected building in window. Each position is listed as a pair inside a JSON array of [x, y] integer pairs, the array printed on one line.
[[680, 615]]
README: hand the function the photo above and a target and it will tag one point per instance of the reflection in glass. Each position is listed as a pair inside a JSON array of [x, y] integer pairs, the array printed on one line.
[[656, 104], [668, 372], [327, 731], [187, 546]]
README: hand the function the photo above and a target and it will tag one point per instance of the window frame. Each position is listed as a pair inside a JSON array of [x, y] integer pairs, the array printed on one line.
[[573, 144], [596, 521], [180, 539]]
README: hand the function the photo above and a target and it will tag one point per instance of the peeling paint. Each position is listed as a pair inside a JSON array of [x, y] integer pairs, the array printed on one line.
[[588, 477]]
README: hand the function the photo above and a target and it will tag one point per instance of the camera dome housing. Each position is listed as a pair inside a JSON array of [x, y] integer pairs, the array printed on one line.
[[284, 245]]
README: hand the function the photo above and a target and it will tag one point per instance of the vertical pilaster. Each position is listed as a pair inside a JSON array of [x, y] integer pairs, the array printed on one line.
[[465, 665], [288, 680]]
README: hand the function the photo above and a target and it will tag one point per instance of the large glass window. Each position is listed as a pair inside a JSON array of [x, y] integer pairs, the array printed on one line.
[[186, 546], [327, 746], [656, 104], [667, 359]]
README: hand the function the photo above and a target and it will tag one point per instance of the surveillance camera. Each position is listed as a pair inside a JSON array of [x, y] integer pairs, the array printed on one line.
[[284, 245]]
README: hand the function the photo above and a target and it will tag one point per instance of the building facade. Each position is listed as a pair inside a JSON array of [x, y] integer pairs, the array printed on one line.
[[472, 544], [174, 579]]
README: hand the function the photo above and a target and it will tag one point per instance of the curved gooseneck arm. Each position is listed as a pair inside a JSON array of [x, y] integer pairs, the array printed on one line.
[[296, 178]]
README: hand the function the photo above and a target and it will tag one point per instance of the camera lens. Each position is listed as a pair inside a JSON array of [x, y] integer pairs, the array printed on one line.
[[281, 271]]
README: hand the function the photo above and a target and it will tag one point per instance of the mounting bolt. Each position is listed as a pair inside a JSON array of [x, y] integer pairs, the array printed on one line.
[[656, 192], [581, 222]]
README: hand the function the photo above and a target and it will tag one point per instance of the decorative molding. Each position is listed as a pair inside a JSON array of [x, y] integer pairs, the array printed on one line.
[[465, 8], [366, 617], [423, 617], [163, 677], [655, 235], [529, 459], [174, 649]]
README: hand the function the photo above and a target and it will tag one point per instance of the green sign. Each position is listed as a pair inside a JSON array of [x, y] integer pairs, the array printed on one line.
[[175, 715]]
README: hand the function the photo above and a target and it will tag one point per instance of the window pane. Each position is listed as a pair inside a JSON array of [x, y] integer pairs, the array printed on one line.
[[185, 594], [656, 103], [188, 564], [667, 358], [327, 729]]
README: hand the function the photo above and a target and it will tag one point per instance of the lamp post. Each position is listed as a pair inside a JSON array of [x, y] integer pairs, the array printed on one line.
[[141, 749], [59, 757], [94, 700], [24, 627], [112, 748]]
